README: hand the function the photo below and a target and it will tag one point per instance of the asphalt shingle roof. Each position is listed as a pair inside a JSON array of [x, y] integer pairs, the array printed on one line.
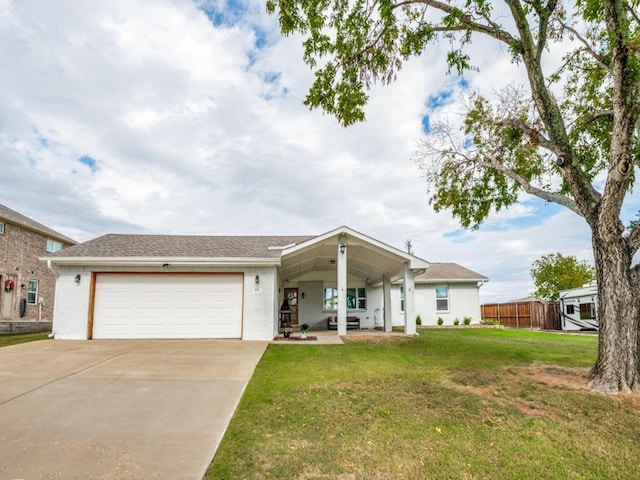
[[11, 216], [449, 271], [181, 246]]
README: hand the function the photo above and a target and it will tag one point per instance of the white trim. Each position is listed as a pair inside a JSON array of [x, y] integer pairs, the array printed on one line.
[[281, 248], [160, 261], [414, 262]]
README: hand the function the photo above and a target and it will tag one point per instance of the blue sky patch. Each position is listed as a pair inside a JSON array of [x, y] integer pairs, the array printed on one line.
[[261, 37], [31, 160], [272, 77], [43, 141], [459, 236], [223, 14], [439, 100], [426, 124], [89, 162], [276, 90], [463, 84]]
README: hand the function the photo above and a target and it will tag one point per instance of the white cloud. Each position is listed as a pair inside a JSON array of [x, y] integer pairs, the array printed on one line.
[[197, 130]]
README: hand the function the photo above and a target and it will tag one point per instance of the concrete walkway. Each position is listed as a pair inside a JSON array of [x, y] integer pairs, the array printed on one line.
[[118, 409]]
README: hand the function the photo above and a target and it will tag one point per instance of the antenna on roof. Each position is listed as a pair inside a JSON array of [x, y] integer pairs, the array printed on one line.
[[408, 243]]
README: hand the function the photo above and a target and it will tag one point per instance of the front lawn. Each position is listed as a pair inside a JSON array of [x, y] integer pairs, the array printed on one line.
[[448, 404], [6, 340]]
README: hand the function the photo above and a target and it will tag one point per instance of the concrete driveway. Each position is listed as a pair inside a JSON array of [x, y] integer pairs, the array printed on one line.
[[118, 409]]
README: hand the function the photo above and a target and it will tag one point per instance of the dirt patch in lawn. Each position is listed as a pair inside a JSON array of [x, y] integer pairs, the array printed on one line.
[[486, 381], [554, 376]]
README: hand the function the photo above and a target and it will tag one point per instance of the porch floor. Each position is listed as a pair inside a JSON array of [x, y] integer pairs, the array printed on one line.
[[330, 337]]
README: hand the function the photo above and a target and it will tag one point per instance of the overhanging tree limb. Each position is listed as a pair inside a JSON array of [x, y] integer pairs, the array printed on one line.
[[527, 186]]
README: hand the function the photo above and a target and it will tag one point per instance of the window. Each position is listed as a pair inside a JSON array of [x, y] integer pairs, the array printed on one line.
[[402, 299], [1, 228], [356, 298], [53, 246], [570, 309], [587, 311], [32, 292], [330, 299], [442, 298]]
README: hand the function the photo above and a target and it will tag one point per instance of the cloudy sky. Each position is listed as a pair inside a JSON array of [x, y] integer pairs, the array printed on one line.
[[186, 117]]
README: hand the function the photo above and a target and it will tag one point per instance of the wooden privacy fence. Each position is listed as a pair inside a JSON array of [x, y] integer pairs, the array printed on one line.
[[533, 314]]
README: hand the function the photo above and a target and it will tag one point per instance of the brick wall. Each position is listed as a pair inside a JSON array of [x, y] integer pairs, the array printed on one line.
[[20, 249]]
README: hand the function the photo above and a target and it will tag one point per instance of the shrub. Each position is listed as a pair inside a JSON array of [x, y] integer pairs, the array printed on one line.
[[489, 321], [418, 320], [440, 321], [466, 320], [456, 321]]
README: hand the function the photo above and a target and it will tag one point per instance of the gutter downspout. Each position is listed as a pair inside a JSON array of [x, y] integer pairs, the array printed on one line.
[[50, 267]]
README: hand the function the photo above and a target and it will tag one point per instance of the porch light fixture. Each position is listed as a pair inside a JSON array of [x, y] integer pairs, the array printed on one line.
[[343, 247], [78, 277], [257, 279]]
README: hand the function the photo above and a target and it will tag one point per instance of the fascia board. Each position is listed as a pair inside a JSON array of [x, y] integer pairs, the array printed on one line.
[[154, 261], [414, 262], [450, 280]]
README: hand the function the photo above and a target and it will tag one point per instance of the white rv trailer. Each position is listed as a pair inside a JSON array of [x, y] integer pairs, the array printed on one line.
[[579, 308]]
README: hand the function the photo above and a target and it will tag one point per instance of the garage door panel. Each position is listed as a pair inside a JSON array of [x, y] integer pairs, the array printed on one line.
[[167, 306]]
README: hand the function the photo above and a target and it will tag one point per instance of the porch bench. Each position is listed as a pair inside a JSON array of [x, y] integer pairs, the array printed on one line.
[[352, 323]]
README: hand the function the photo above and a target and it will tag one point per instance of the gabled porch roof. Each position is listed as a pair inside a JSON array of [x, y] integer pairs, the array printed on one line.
[[367, 258]]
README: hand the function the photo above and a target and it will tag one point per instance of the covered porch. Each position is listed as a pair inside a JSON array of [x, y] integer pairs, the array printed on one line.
[[343, 280]]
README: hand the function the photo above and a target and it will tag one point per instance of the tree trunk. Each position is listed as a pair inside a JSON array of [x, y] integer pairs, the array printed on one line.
[[616, 369]]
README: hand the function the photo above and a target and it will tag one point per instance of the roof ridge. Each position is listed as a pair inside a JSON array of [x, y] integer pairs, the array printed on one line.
[[9, 215]]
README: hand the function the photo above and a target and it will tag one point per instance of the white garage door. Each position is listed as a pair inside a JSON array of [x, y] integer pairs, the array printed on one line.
[[167, 306]]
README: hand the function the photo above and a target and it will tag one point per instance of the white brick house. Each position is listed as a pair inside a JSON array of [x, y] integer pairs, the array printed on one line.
[[166, 286]]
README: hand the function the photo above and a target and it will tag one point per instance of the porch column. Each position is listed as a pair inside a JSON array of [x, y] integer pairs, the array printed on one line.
[[386, 292], [342, 288], [409, 301]]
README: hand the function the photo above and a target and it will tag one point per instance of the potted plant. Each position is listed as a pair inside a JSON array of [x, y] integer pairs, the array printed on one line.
[[286, 332], [303, 331]]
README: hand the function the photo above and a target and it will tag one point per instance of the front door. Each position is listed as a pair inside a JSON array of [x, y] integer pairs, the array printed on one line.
[[7, 299], [291, 294]]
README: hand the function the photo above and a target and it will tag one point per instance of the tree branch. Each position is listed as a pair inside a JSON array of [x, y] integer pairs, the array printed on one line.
[[544, 13], [467, 22], [554, 197], [634, 14], [634, 238], [583, 192], [536, 137], [587, 48]]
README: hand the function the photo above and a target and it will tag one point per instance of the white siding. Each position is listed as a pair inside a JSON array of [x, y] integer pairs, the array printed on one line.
[[71, 315], [464, 300]]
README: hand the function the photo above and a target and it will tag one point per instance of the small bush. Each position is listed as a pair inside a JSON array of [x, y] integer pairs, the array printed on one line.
[[490, 321], [456, 321], [418, 320], [440, 321], [466, 320]]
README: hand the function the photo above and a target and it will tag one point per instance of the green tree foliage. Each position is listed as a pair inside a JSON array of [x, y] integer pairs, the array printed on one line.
[[569, 136], [554, 272]]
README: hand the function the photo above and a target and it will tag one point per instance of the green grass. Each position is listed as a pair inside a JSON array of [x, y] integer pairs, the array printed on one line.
[[448, 404], [6, 340]]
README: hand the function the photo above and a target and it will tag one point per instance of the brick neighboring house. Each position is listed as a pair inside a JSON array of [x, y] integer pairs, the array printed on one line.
[[25, 281]]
